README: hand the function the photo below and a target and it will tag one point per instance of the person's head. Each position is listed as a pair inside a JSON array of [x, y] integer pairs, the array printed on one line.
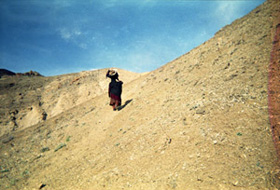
[[113, 74]]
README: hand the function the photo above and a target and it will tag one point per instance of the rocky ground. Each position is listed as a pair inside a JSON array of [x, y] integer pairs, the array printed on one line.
[[199, 122]]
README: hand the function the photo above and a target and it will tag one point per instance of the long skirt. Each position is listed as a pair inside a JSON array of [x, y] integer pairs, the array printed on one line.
[[115, 100]]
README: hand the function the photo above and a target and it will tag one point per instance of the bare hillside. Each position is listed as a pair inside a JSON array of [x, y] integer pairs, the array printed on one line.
[[199, 122], [26, 101]]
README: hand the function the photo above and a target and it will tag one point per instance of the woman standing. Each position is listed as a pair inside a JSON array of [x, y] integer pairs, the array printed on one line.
[[115, 88]]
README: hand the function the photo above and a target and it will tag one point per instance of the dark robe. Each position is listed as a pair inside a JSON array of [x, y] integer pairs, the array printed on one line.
[[115, 91]]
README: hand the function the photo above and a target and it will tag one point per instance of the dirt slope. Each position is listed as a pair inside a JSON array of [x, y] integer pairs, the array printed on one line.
[[199, 122], [26, 101], [274, 81]]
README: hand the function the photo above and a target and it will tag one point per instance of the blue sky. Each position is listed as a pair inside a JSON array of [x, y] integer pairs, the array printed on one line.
[[64, 36]]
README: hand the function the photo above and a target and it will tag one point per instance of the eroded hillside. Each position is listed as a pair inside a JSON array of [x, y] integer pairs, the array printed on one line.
[[199, 122], [26, 101]]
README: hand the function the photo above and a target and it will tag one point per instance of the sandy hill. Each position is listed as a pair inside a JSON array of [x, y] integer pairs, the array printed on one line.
[[26, 100], [199, 122]]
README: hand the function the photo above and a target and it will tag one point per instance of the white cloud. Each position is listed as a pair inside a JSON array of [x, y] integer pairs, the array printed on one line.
[[77, 32], [74, 36], [83, 45], [67, 34]]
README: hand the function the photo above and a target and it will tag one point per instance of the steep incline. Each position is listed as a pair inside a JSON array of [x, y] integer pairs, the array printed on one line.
[[199, 122], [274, 80]]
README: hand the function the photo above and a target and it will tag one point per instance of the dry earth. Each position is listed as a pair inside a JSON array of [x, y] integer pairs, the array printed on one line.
[[274, 81], [199, 122], [26, 101]]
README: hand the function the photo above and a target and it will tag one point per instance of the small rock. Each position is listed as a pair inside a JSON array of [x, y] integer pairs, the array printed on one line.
[[200, 111], [235, 183], [8, 139], [42, 186], [44, 116], [230, 77]]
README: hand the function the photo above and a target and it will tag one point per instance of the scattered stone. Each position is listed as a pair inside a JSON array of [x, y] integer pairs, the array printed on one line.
[[200, 111], [185, 121], [41, 103], [194, 107], [44, 116], [14, 112], [226, 116], [8, 139], [60, 146], [230, 77], [235, 183], [42, 186], [12, 84], [227, 66]]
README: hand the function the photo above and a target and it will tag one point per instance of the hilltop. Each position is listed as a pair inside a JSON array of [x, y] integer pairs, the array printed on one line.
[[5, 72], [198, 122]]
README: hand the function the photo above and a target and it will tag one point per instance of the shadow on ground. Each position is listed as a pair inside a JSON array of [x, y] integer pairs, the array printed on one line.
[[125, 104]]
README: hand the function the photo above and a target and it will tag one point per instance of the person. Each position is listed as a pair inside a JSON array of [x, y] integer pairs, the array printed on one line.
[[115, 89]]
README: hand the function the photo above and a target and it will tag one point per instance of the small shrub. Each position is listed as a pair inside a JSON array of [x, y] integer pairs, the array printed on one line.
[[5, 170], [239, 134], [117, 144], [45, 149], [25, 173], [68, 138]]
